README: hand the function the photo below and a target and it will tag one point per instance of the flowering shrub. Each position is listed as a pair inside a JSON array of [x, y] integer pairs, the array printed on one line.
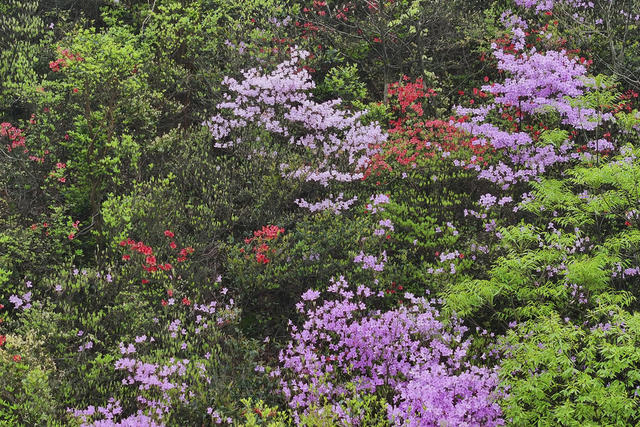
[[546, 99], [336, 146], [407, 352], [28, 379], [259, 239], [174, 366], [426, 166], [149, 264]]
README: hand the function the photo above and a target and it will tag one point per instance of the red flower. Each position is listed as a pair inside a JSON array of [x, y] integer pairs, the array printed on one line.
[[627, 223], [17, 358], [168, 233], [165, 267], [169, 292], [173, 245], [123, 243], [461, 256], [3, 339], [186, 301], [126, 257], [75, 90], [164, 303], [145, 281], [71, 236]]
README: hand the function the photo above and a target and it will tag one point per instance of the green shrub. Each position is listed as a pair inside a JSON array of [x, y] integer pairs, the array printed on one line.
[[562, 372]]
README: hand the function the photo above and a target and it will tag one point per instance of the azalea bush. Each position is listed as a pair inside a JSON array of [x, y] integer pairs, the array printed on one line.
[[406, 355]]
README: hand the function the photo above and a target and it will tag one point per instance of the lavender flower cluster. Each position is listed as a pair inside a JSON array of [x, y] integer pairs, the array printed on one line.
[[537, 83], [407, 349], [280, 103]]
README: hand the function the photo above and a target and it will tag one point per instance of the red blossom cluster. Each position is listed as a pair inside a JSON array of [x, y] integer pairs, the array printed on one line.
[[412, 138], [151, 264], [260, 248], [410, 95], [626, 103], [3, 340], [393, 288], [425, 139], [16, 138], [61, 62]]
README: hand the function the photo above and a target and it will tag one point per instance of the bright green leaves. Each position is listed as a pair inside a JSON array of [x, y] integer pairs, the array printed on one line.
[[555, 137], [581, 244], [20, 29], [562, 373], [97, 106]]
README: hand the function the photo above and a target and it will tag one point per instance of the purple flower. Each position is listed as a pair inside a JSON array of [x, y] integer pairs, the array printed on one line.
[[310, 295]]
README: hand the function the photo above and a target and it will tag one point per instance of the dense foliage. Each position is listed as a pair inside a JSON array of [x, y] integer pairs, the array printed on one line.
[[319, 212]]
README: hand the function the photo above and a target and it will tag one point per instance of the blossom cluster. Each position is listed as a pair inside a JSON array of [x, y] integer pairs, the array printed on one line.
[[412, 138], [151, 263], [337, 144], [407, 349], [14, 134], [162, 384], [537, 83], [62, 62], [259, 239]]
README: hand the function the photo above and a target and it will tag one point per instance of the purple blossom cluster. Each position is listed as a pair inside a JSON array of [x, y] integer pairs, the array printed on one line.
[[23, 302], [108, 414], [536, 83], [336, 205], [407, 350], [161, 385], [338, 144], [376, 201], [371, 262], [539, 6]]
